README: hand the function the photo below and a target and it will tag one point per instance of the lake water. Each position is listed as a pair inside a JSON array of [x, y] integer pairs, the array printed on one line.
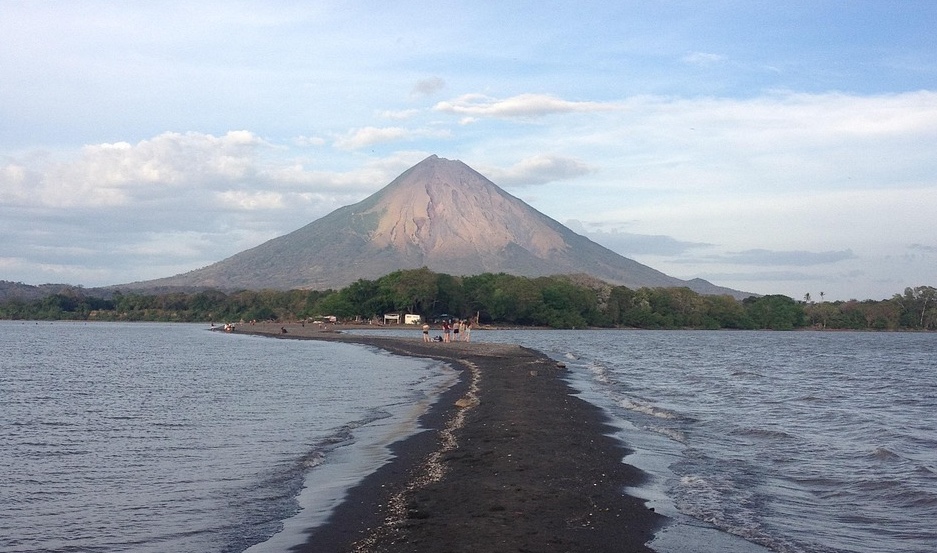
[[796, 442], [167, 437], [155, 437]]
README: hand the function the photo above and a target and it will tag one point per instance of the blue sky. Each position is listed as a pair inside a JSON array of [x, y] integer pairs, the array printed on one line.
[[770, 147]]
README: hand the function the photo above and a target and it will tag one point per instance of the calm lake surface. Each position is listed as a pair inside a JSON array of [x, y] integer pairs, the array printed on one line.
[[166, 437]]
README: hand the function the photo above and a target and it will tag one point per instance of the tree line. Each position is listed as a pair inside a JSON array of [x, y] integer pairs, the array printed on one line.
[[499, 299]]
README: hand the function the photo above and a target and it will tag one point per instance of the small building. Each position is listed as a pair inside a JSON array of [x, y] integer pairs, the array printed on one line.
[[412, 319]]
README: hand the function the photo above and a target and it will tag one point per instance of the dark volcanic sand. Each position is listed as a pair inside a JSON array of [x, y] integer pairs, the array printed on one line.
[[525, 466]]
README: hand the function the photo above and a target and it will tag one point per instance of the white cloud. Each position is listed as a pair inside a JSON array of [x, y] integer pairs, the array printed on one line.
[[521, 106], [369, 136], [538, 169], [703, 59], [360, 138], [309, 141], [164, 205], [863, 220], [251, 200], [112, 174], [399, 115]]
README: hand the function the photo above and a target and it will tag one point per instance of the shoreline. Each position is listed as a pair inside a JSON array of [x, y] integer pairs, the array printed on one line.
[[508, 460]]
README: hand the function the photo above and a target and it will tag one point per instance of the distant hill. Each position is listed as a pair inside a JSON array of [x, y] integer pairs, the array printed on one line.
[[440, 214], [27, 292]]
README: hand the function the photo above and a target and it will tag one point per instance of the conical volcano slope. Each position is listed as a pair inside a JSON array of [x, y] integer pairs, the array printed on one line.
[[440, 214]]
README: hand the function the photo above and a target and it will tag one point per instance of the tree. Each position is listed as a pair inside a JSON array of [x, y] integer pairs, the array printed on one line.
[[724, 312], [620, 301], [564, 305], [775, 312], [362, 297], [918, 307], [209, 304], [478, 291], [514, 300], [416, 290], [338, 305], [686, 305], [450, 297]]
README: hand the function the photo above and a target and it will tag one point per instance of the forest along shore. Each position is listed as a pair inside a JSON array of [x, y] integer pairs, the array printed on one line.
[[512, 462]]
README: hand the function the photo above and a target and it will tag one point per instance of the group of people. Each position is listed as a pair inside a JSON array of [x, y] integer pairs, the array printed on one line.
[[459, 330]]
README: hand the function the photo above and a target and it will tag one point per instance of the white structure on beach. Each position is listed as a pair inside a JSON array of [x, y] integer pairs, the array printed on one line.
[[394, 318]]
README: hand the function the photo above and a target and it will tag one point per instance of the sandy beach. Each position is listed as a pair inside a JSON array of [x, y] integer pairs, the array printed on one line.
[[510, 461]]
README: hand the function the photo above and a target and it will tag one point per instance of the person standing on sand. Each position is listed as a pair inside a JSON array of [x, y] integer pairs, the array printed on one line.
[[446, 329], [426, 332], [467, 332], [455, 330]]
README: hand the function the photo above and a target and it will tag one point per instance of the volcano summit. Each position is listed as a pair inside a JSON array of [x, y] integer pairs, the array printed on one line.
[[441, 214]]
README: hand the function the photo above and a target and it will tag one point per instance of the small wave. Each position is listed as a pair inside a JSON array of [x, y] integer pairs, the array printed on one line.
[[569, 355], [699, 498], [764, 433], [885, 454], [340, 437], [743, 373], [671, 433], [313, 459], [46, 450], [717, 503], [599, 374], [648, 409], [810, 399]]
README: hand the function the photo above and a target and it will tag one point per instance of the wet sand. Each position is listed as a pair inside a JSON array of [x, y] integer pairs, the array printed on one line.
[[510, 461]]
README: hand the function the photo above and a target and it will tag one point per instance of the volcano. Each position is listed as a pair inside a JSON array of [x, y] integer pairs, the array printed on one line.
[[440, 214]]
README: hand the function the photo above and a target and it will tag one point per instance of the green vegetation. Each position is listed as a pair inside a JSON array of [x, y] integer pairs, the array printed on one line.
[[558, 302]]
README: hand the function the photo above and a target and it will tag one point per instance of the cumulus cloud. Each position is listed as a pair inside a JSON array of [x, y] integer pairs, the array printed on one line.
[[111, 213], [114, 174], [521, 106], [539, 169]]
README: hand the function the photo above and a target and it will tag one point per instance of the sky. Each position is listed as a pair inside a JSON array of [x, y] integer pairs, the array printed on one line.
[[771, 147]]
